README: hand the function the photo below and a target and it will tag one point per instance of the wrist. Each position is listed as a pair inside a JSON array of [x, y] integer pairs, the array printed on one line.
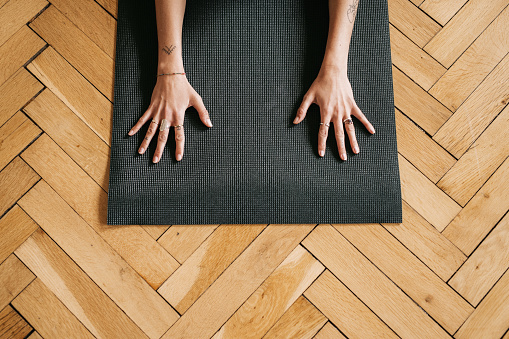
[[335, 68], [168, 66]]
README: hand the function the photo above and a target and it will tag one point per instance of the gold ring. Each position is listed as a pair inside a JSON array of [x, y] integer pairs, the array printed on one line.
[[327, 124], [348, 120]]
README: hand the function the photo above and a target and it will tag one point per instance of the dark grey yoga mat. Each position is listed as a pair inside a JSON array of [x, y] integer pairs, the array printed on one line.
[[252, 62]]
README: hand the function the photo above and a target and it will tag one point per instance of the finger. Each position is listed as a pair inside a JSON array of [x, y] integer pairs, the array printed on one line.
[[202, 111], [179, 140], [162, 138], [340, 137], [142, 120], [323, 132], [301, 112], [154, 124], [350, 130], [356, 111]]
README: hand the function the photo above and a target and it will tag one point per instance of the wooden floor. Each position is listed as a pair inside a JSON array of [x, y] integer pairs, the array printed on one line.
[[442, 273]]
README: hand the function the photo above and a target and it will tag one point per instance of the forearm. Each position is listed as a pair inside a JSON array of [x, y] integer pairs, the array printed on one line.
[[170, 17], [342, 15]]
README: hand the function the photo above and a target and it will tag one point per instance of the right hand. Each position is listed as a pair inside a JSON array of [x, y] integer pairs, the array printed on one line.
[[172, 95]]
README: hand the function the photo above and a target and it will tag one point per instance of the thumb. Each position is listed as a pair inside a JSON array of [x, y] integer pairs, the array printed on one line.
[[301, 112], [202, 111]]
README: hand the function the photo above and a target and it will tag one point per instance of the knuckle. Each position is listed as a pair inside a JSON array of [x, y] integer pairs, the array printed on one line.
[[323, 132], [162, 137], [180, 137]]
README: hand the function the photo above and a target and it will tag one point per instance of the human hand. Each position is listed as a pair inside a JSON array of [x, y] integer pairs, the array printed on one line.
[[332, 91], [171, 97]]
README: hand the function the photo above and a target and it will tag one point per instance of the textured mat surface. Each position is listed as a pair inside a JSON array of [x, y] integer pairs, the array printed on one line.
[[252, 62]]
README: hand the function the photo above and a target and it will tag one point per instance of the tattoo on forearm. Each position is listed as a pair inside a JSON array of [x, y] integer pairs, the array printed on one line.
[[168, 50], [352, 10]]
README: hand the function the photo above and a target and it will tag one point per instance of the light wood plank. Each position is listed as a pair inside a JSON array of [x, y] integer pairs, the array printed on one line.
[[472, 170], [15, 179], [412, 22], [423, 196], [15, 92], [75, 289], [417, 104], [427, 243], [481, 213], [329, 332], [81, 52], [17, 51], [491, 318], [182, 240], [15, 135], [475, 64], [274, 297], [430, 292], [370, 285], [345, 310], [14, 277], [238, 281], [455, 37], [85, 147], [75, 91], [206, 264], [93, 20], [15, 227], [47, 314], [301, 320], [485, 266], [105, 266], [17, 13], [413, 61], [89, 200], [12, 325], [425, 154], [442, 10]]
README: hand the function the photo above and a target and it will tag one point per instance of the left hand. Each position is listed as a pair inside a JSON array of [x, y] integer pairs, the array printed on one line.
[[332, 91]]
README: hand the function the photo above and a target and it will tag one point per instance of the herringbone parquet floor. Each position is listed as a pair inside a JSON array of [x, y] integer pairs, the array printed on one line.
[[442, 273]]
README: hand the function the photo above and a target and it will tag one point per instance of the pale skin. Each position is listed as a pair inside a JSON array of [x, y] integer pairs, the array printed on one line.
[[172, 94], [331, 89]]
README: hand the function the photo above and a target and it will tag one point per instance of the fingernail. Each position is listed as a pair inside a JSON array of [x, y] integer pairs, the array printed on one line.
[[321, 153], [179, 157], [209, 122], [373, 130], [295, 120], [156, 158], [130, 132], [343, 156], [141, 150], [356, 149]]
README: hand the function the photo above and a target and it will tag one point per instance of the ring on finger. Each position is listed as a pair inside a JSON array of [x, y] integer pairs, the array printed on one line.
[[178, 126], [348, 121], [326, 124], [153, 120], [164, 125]]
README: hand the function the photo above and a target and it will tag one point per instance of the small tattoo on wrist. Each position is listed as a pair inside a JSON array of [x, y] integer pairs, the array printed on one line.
[[169, 50], [352, 10]]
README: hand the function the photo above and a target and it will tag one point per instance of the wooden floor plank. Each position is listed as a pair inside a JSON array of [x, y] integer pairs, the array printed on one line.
[[75, 289], [475, 64], [485, 266], [370, 285], [206, 264], [493, 310], [430, 292], [79, 50], [16, 13], [238, 281], [15, 179], [15, 227], [481, 213], [16, 51], [89, 200], [442, 10], [301, 320], [485, 155], [104, 266], [345, 310], [274, 297], [12, 325], [14, 278], [75, 91], [455, 37], [47, 313]]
